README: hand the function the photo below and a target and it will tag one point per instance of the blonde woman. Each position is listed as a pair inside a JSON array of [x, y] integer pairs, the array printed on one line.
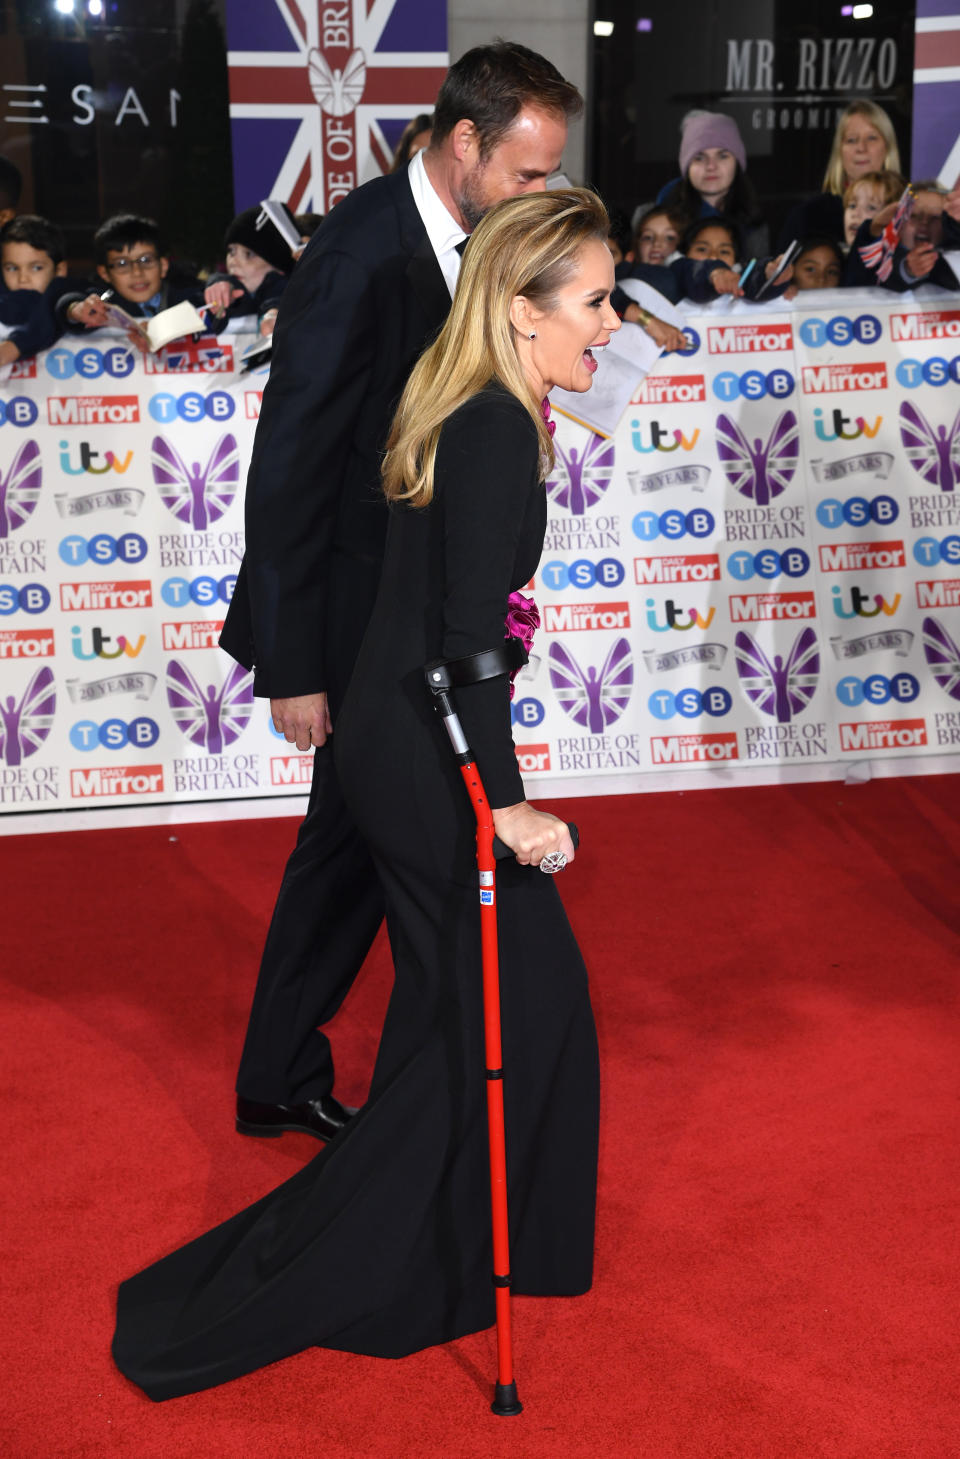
[[381, 1245], [864, 141]]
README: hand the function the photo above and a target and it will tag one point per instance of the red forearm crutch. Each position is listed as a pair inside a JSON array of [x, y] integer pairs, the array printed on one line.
[[441, 678]]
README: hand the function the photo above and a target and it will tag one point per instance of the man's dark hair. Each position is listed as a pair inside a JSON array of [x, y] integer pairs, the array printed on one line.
[[124, 230], [620, 230], [37, 233], [490, 85], [11, 183]]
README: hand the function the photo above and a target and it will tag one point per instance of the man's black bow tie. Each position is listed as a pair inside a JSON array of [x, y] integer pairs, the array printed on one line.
[[462, 245]]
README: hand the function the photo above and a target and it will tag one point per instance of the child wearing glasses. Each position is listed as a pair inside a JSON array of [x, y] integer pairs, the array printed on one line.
[[132, 260]]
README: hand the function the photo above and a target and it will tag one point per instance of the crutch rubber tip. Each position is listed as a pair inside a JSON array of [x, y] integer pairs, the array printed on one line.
[[506, 1401]]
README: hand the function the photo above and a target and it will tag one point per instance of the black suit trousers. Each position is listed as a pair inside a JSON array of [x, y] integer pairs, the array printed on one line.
[[330, 903]]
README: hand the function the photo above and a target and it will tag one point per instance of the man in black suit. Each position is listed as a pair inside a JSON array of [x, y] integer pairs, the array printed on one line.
[[371, 290]]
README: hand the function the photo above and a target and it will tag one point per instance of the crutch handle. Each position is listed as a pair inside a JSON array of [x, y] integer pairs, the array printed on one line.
[[501, 850]]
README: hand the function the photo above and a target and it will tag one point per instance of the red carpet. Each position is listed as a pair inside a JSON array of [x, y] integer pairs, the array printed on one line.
[[774, 975]]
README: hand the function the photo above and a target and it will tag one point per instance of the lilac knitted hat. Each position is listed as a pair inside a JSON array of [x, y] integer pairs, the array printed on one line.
[[703, 129]]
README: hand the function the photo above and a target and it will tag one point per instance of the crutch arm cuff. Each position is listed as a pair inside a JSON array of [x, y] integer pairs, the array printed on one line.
[[491, 663]]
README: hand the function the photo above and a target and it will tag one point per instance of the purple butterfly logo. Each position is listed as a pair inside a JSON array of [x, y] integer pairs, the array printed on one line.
[[778, 688], [760, 472], [213, 719], [197, 497], [20, 488], [936, 456], [942, 655], [25, 726], [580, 480], [591, 699]]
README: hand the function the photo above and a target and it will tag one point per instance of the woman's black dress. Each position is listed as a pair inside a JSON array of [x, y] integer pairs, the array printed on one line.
[[381, 1245]]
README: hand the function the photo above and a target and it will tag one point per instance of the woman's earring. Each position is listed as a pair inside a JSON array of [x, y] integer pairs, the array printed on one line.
[[532, 334]]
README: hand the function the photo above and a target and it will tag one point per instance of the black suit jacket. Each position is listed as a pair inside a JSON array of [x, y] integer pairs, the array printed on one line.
[[362, 303]]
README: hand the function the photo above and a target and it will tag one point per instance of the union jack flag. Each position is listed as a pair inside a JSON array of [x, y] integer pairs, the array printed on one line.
[[320, 91]]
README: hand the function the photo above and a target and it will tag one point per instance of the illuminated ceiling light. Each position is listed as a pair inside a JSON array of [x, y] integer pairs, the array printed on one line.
[[862, 12], [644, 25], [65, 7], [846, 9], [600, 27], [95, 7]]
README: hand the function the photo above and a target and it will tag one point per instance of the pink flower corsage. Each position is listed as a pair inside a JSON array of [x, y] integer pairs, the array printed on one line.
[[523, 619], [551, 427]]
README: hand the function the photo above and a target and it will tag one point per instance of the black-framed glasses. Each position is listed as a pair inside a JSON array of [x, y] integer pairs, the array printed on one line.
[[127, 265]]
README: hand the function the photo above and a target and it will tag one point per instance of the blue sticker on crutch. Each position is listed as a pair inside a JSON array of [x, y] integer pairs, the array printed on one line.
[[486, 898]]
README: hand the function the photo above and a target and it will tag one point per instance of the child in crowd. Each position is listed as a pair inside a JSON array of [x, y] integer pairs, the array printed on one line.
[[259, 263], [620, 238], [657, 235], [865, 197], [818, 265], [32, 256], [132, 259], [713, 162], [917, 258], [33, 271]]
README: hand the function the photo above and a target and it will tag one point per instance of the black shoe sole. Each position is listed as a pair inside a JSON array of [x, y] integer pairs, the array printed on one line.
[[272, 1132]]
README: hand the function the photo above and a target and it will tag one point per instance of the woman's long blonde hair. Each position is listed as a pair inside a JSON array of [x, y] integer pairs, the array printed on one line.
[[835, 179], [525, 246]]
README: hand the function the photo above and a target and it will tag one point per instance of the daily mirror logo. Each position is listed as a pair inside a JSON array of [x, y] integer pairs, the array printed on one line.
[[694, 749], [291, 770], [930, 324], [696, 568], [90, 597], [670, 390], [93, 410], [585, 617], [115, 781], [26, 643], [884, 734], [740, 339], [771, 607], [861, 556], [824, 379], [533, 759]]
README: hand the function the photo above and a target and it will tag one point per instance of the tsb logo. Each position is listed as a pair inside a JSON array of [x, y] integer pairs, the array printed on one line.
[[114, 734], [768, 563], [31, 598], [857, 511], [927, 550], [607, 573], [864, 329], [648, 526], [528, 712], [690, 703], [192, 406], [754, 385], [103, 548], [878, 689], [90, 363], [20, 411], [178, 592], [935, 371]]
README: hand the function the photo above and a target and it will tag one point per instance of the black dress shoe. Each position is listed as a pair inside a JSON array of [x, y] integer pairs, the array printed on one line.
[[323, 1117]]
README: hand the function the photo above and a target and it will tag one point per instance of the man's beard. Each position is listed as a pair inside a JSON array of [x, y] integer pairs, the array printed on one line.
[[470, 201]]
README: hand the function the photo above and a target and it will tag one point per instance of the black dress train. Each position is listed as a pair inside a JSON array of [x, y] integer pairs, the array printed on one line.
[[381, 1244]]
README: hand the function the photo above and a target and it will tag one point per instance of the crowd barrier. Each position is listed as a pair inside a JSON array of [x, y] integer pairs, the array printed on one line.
[[759, 573]]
